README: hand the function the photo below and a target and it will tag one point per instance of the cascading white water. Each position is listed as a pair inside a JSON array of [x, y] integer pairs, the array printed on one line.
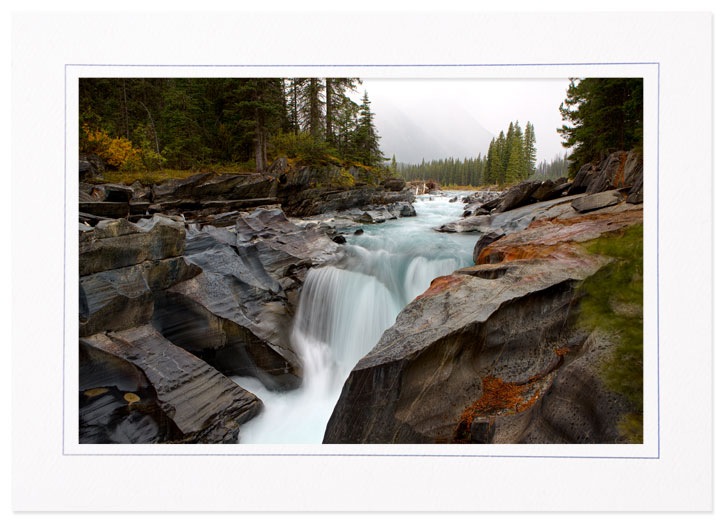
[[344, 310]]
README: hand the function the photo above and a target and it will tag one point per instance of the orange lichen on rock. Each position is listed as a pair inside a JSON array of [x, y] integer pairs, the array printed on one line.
[[618, 181], [493, 255], [556, 238], [498, 396], [441, 284], [562, 351]]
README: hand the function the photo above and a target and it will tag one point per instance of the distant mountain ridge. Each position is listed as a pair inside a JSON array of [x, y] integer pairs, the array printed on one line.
[[430, 135]]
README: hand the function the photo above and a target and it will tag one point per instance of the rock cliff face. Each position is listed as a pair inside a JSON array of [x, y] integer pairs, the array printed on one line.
[[172, 303], [166, 308], [300, 191], [137, 387], [492, 353]]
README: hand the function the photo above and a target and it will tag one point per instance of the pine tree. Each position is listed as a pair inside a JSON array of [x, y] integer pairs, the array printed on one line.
[[498, 166], [261, 108], [606, 114], [529, 150], [293, 94], [367, 138], [335, 100], [515, 162], [394, 167], [312, 103]]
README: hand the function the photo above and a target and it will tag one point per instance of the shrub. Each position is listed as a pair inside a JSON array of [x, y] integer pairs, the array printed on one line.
[[119, 152], [343, 178], [613, 302], [303, 146]]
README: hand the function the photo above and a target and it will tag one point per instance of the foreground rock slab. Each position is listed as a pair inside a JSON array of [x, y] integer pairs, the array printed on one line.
[[202, 404]]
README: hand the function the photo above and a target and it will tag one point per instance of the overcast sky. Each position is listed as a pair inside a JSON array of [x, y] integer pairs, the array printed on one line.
[[435, 118]]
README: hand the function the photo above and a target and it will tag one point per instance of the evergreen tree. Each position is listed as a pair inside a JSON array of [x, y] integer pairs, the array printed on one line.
[[498, 164], [367, 138], [261, 108], [344, 126], [605, 114], [529, 150], [515, 161], [312, 104], [294, 97], [335, 101], [394, 167], [552, 170]]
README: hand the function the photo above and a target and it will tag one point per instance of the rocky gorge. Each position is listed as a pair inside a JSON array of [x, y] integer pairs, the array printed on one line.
[[188, 285]]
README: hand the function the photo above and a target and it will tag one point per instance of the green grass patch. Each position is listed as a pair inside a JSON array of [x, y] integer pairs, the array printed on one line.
[[158, 176], [613, 301]]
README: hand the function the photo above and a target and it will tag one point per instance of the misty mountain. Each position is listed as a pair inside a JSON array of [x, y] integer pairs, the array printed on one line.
[[435, 133]]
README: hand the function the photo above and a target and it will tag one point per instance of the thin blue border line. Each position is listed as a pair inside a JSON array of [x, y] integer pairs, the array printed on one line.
[[375, 65], [65, 228]]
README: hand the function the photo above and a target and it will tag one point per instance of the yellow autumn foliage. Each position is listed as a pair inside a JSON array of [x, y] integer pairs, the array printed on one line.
[[344, 178], [118, 152]]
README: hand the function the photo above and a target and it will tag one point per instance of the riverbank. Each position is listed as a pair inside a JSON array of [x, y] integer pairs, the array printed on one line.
[[193, 290]]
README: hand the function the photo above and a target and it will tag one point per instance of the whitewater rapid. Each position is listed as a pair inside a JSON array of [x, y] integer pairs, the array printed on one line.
[[344, 309]]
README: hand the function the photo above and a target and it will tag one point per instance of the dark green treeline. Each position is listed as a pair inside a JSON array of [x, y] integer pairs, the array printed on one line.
[[447, 172], [189, 122], [553, 169], [604, 115], [511, 157]]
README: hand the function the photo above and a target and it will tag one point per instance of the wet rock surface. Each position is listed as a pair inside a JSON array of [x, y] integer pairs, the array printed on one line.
[[207, 300], [492, 353], [301, 191], [200, 405], [119, 243], [233, 311], [597, 201]]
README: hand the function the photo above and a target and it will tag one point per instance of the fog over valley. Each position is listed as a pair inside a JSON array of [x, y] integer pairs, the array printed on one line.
[[439, 118]]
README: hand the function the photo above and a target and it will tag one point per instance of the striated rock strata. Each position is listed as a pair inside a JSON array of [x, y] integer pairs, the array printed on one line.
[[491, 353], [189, 401]]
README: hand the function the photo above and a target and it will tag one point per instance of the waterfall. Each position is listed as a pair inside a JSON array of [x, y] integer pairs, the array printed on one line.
[[343, 310], [341, 316]]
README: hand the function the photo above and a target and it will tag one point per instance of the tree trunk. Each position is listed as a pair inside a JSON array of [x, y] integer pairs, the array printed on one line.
[[295, 117], [315, 110], [125, 107], [153, 127], [328, 109], [258, 147]]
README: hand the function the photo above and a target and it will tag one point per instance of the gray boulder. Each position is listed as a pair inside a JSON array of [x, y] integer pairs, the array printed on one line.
[[117, 243], [597, 201], [90, 166], [636, 194], [124, 297], [394, 184], [509, 221], [517, 196]]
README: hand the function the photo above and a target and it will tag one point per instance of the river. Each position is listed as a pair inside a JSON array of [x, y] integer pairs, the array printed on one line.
[[344, 309]]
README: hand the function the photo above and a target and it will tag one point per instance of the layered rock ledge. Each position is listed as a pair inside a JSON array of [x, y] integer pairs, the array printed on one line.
[[492, 353], [169, 309]]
